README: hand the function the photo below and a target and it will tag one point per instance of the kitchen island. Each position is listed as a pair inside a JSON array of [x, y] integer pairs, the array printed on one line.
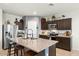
[[41, 46]]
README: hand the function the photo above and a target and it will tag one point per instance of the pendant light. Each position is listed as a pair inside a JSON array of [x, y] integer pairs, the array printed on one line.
[[53, 18]]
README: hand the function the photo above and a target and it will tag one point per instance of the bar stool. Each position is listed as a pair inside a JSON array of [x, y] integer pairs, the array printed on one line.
[[11, 45], [14, 49], [19, 48]]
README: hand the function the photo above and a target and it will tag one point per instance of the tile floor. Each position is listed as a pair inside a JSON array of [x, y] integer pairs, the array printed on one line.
[[59, 52]]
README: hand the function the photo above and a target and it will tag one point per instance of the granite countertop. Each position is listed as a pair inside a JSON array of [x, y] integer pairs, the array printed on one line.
[[57, 36], [36, 45], [62, 36]]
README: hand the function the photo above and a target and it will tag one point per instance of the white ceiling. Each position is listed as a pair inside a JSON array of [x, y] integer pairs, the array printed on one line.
[[42, 9]]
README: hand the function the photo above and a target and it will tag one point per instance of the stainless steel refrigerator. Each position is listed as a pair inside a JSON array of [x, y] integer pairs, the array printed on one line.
[[7, 29]]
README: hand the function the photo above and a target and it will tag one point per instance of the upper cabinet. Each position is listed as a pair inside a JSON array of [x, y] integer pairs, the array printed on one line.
[[62, 24], [44, 24], [20, 24]]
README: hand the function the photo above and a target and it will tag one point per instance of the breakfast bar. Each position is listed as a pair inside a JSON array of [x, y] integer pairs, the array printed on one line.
[[41, 46]]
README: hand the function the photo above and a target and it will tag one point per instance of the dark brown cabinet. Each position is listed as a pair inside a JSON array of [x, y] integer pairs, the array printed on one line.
[[21, 24], [44, 24], [64, 24], [63, 42], [43, 36]]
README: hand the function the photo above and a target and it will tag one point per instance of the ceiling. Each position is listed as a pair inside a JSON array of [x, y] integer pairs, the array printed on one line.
[[38, 9]]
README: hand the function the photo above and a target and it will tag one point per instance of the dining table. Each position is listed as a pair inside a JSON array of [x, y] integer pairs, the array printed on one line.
[[43, 47]]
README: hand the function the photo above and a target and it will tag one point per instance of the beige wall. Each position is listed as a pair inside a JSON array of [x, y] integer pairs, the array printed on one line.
[[10, 17], [0, 28]]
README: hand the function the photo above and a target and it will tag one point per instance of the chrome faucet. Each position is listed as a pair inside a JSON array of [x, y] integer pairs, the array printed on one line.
[[30, 34]]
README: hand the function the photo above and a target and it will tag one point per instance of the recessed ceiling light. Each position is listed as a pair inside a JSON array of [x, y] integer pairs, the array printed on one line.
[[51, 4], [34, 13]]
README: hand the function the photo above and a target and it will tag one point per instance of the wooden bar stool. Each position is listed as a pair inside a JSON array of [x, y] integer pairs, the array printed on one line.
[[14, 49], [19, 48], [11, 51]]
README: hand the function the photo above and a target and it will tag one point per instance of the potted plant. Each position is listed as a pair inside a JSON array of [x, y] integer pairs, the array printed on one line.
[[53, 17]]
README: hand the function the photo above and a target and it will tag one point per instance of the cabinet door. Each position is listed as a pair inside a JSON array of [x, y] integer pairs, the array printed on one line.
[[43, 20], [43, 36], [64, 43], [59, 26], [68, 24], [21, 24], [59, 44], [67, 44], [64, 24], [44, 24]]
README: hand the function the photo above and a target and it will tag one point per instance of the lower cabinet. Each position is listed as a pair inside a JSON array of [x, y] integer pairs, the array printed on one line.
[[43, 36], [63, 42]]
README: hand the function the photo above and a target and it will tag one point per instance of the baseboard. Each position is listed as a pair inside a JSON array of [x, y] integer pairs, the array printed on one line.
[[76, 49]]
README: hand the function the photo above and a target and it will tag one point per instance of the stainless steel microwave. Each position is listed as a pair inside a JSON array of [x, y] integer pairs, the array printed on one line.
[[52, 26]]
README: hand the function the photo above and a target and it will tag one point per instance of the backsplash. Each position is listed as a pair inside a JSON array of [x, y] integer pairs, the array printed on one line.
[[60, 32], [44, 32]]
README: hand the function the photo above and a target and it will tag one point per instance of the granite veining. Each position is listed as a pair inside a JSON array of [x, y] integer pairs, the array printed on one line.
[[36, 45]]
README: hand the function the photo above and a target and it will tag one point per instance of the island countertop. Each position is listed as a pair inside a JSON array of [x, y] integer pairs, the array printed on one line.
[[36, 45]]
